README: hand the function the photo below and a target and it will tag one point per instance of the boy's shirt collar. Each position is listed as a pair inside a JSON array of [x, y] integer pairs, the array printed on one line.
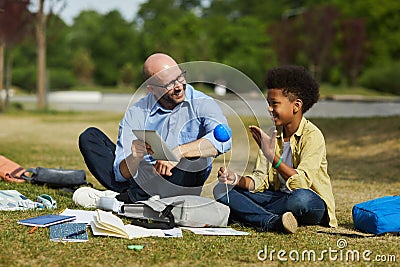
[[299, 131]]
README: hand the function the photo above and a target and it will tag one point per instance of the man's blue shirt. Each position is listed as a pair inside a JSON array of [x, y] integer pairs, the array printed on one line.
[[194, 118]]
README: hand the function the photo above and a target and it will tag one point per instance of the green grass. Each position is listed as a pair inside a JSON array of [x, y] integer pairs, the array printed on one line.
[[363, 157], [105, 89], [329, 91]]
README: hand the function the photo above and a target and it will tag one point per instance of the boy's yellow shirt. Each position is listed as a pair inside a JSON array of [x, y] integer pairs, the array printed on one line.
[[309, 160]]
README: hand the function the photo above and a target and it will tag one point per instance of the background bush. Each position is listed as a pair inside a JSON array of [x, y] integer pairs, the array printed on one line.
[[61, 79], [383, 78], [25, 77]]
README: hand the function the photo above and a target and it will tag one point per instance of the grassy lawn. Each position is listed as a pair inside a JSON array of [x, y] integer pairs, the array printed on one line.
[[328, 91], [363, 157]]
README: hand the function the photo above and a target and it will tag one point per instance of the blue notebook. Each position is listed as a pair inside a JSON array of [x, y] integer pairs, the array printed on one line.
[[47, 220], [69, 232]]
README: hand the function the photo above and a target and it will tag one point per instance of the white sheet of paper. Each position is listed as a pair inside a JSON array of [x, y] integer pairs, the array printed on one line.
[[214, 231], [174, 232], [82, 216]]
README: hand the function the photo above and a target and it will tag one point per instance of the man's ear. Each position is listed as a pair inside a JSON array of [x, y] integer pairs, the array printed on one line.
[[150, 88], [298, 105]]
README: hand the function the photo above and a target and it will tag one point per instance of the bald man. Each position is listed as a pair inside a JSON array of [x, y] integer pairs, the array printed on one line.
[[184, 118]]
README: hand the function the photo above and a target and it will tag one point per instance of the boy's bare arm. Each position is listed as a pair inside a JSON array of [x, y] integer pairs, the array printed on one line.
[[245, 182], [284, 170]]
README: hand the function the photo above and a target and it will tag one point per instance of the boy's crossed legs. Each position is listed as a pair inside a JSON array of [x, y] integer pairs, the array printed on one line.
[[273, 211]]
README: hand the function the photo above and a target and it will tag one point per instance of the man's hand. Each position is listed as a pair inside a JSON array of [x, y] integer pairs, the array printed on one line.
[[128, 166], [140, 149], [264, 141]]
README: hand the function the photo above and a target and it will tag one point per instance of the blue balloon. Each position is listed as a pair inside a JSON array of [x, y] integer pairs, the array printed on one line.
[[222, 132]]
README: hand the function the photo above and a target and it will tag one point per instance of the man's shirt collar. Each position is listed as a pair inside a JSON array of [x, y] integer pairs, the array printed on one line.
[[155, 105]]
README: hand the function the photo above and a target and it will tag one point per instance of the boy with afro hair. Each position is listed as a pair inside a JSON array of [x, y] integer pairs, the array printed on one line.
[[290, 184]]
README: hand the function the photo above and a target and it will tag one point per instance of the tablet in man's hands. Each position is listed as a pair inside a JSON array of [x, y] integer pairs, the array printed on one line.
[[160, 148]]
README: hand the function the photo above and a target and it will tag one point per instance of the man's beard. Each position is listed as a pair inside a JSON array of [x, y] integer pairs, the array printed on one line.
[[167, 98]]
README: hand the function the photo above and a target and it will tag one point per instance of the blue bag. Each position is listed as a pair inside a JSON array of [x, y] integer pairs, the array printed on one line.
[[378, 216]]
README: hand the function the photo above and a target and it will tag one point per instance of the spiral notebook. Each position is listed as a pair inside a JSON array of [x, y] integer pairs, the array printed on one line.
[[69, 232]]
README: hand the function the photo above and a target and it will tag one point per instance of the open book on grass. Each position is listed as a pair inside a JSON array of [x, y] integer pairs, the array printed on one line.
[[108, 224]]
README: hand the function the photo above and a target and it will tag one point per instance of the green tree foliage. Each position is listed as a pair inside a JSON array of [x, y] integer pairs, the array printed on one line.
[[382, 20], [58, 48], [60, 79], [127, 74], [25, 77], [173, 27], [338, 40], [83, 66], [110, 40], [217, 33], [24, 65], [232, 44], [59, 74], [85, 30], [266, 11], [59, 64], [384, 78]]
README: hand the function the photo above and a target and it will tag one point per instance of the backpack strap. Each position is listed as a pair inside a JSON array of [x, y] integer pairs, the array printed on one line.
[[15, 172], [29, 178], [166, 213]]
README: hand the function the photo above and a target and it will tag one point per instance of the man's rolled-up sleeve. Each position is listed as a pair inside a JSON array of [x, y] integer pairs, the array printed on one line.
[[212, 115]]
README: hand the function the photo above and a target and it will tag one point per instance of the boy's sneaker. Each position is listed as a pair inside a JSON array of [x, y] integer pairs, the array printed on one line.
[[289, 223], [88, 197]]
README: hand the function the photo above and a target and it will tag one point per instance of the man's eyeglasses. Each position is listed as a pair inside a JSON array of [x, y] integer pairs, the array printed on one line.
[[171, 85]]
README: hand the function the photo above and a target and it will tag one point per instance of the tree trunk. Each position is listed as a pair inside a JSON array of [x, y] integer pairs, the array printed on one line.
[[2, 45], [8, 79], [41, 61]]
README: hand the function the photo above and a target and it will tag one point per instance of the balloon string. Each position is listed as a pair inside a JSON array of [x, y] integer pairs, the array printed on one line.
[[226, 185]]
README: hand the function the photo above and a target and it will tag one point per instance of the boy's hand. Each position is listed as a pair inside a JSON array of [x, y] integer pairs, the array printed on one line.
[[264, 141], [225, 176]]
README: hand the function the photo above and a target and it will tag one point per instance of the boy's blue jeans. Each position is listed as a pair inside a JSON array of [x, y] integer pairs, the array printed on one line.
[[264, 209]]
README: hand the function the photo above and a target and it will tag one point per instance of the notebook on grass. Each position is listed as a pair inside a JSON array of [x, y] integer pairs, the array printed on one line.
[[69, 232], [108, 224], [46, 220]]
